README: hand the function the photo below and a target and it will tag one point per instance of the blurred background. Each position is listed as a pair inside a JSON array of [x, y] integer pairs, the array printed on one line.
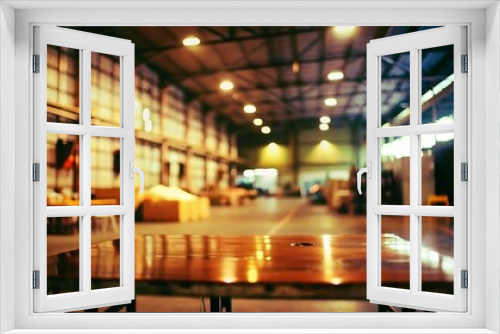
[[250, 139]]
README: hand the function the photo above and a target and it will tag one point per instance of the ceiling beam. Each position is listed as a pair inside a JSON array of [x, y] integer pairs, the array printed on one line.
[[228, 39], [379, 33], [286, 63]]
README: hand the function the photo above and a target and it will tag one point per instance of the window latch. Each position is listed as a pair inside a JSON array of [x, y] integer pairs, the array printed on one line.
[[133, 170], [367, 170]]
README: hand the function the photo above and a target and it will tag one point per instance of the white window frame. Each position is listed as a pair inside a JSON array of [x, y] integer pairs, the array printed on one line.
[[85, 43], [484, 308], [414, 43]]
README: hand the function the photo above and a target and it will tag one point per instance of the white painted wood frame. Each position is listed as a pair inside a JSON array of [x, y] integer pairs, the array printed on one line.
[[483, 20], [86, 43], [413, 44]]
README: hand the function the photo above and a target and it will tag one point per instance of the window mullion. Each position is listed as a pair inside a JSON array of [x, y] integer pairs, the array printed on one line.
[[85, 163], [414, 172]]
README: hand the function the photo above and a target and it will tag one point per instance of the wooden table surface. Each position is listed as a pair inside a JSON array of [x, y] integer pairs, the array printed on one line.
[[328, 266]]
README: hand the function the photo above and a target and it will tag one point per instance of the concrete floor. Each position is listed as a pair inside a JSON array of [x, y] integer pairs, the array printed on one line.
[[264, 216]]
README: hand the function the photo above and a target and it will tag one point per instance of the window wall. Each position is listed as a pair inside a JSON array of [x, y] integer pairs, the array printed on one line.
[[177, 143]]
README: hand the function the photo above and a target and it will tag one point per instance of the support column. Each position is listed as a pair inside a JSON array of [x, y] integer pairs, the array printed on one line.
[[294, 153], [165, 172]]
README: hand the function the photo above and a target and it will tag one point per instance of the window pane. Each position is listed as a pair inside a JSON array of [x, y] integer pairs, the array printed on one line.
[[105, 252], [105, 90], [395, 170], [437, 169], [395, 89], [63, 85], [63, 255], [437, 254], [105, 170], [395, 252], [63, 170], [437, 85]]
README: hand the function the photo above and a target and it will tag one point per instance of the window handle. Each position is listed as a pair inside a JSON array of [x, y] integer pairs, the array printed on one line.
[[133, 170], [368, 171]]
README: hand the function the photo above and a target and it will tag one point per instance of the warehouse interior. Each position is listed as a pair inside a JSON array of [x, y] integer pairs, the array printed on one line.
[[250, 139]]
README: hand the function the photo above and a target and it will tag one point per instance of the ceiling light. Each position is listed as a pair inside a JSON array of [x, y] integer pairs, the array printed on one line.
[[325, 119], [295, 67], [324, 127], [226, 85], [335, 75], [258, 122], [331, 102], [344, 30], [191, 41], [249, 108], [265, 129]]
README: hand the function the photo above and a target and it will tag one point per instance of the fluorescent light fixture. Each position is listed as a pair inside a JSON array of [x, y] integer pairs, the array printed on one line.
[[191, 41], [249, 108], [258, 122], [248, 173], [335, 75], [396, 149], [226, 85], [331, 102], [325, 119], [344, 30], [445, 120], [265, 129], [324, 144], [425, 98], [427, 141], [324, 127], [266, 172]]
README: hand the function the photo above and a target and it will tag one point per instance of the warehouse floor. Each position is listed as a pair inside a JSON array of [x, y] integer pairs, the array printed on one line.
[[264, 216]]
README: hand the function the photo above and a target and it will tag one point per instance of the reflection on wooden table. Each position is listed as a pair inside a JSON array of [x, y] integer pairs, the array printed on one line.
[[196, 264]]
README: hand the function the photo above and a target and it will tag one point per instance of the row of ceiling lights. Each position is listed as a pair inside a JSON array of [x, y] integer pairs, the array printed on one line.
[[340, 31], [227, 85]]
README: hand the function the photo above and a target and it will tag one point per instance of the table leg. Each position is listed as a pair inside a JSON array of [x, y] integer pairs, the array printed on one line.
[[386, 308], [215, 305], [226, 304], [132, 307], [404, 309]]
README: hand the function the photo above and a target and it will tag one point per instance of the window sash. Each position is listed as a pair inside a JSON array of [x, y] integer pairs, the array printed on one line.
[[412, 43], [86, 297]]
